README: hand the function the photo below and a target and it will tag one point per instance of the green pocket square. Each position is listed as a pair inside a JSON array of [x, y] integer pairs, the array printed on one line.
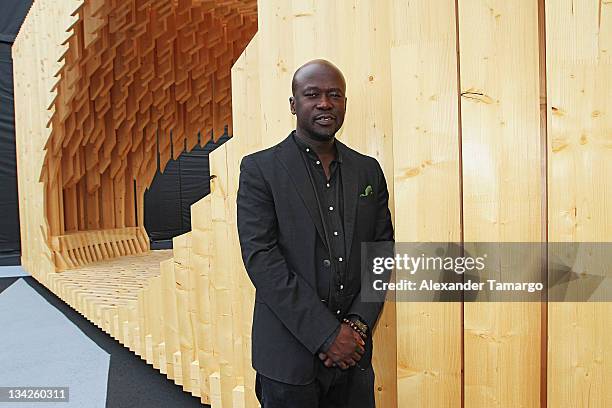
[[368, 190]]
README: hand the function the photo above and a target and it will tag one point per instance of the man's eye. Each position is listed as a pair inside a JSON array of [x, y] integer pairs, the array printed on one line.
[[311, 94]]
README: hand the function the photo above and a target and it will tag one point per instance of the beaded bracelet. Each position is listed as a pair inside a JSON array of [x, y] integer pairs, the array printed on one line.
[[354, 326]]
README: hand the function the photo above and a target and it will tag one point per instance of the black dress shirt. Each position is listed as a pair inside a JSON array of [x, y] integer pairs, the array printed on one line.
[[329, 199], [328, 192]]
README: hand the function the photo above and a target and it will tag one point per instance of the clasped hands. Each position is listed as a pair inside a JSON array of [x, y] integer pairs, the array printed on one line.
[[346, 350]]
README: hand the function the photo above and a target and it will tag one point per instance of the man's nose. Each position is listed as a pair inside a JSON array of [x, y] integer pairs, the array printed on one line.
[[324, 102]]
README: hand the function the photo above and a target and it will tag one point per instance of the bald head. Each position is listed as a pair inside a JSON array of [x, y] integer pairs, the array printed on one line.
[[315, 68], [318, 100]]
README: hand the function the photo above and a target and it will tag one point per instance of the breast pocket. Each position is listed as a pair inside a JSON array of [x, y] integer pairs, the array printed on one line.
[[366, 217], [366, 206]]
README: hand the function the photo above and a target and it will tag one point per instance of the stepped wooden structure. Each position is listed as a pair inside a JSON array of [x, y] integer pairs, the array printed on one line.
[[491, 119]]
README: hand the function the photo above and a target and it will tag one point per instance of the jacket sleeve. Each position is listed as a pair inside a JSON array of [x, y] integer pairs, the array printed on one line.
[[368, 311], [294, 302]]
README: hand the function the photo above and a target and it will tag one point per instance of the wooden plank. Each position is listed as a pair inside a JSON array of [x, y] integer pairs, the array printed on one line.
[[195, 379], [501, 156], [215, 390], [426, 157], [247, 111], [181, 246], [170, 325], [579, 78], [238, 397], [156, 332], [221, 288]]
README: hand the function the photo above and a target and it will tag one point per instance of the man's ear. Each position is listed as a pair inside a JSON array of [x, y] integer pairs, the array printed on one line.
[[292, 105]]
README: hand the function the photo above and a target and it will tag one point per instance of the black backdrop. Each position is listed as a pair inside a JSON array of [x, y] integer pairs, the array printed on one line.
[[167, 202], [11, 17]]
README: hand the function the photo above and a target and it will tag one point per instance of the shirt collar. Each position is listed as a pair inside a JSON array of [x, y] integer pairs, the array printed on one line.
[[306, 148]]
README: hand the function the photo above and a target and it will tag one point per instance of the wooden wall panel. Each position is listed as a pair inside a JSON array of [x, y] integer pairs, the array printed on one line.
[[579, 82], [247, 112], [36, 53], [427, 191], [201, 254], [500, 117]]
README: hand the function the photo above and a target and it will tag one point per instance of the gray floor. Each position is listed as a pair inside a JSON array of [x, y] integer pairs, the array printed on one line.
[[44, 342], [39, 346], [11, 271]]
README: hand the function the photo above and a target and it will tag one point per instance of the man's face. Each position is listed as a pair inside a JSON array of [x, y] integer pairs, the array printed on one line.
[[319, 101]]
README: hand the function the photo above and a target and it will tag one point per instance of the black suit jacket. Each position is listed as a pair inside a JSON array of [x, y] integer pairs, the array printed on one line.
[[279, 227]]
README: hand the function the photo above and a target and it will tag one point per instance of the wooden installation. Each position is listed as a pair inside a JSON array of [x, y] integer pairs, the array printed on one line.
[[491, 120], [139, 82]]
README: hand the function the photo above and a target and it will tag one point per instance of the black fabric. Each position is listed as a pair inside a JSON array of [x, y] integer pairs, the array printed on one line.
[[328, 193], [9, 258], [6, 282], [11, 18], [168, 200], [332, 388]]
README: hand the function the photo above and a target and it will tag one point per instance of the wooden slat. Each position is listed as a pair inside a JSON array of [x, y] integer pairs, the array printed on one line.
[[426, 156], [502, 188], [579, 107], [170, 322]]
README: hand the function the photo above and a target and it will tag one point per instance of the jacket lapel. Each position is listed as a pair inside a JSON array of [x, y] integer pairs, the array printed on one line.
[[350, 193], [291, 159]]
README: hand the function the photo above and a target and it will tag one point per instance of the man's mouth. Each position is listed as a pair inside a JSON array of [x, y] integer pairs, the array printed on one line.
[[325, 119]]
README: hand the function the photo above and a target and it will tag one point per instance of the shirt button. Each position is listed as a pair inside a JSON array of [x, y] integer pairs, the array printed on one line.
[[331, 208], [341, 287], [340, 259], [318, 162], [307, 150], [326, 263], [336, 233], [327, 185], [338, 311]]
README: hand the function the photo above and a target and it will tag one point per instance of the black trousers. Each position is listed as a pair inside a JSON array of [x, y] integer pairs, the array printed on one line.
[[331, 388]]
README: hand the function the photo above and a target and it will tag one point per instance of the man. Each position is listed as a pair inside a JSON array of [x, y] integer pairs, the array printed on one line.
[[304, 207]]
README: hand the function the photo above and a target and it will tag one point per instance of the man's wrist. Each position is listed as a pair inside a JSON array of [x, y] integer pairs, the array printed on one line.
[[356, 318], [357, 324], [330, 340]]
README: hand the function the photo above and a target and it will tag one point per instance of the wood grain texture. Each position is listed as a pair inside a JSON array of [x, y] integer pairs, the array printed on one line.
[[502, 189], [427, 191], [579, 78], [36, 50]]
